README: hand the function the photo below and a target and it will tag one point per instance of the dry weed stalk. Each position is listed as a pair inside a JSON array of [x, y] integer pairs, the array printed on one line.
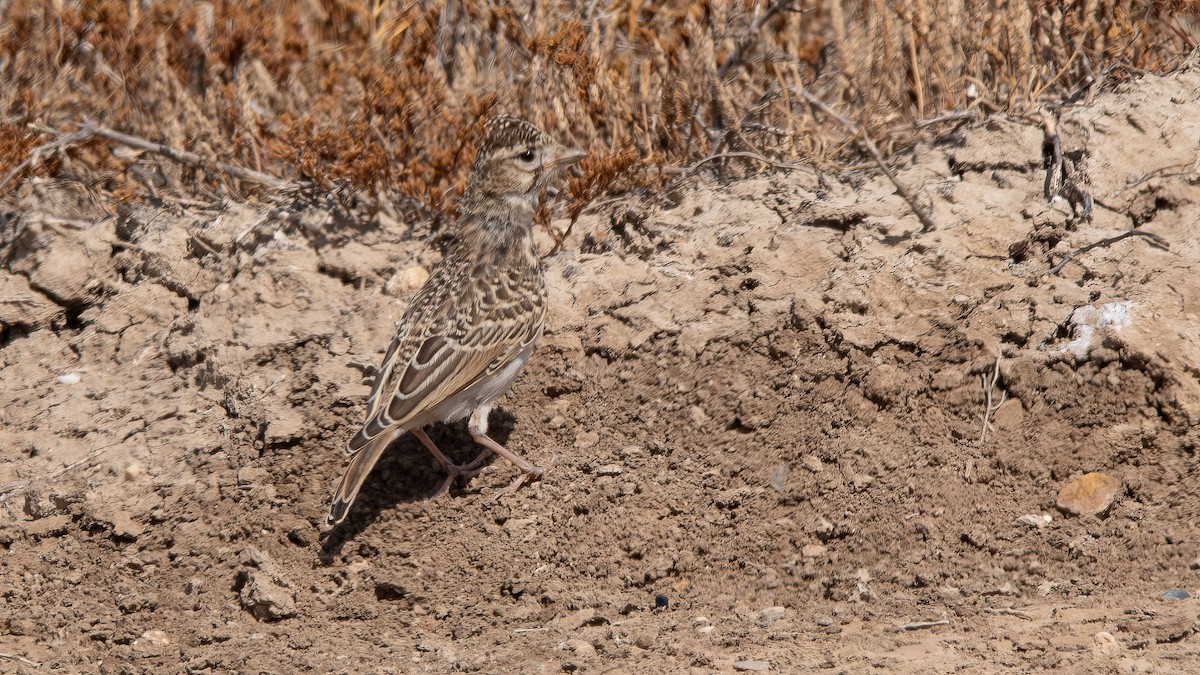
[[989, 408]]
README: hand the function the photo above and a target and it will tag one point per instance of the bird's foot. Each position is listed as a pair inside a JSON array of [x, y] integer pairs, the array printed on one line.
[[457, 471], [531, 474]]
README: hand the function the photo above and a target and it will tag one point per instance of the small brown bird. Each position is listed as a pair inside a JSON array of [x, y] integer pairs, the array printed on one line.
[[466, 334]]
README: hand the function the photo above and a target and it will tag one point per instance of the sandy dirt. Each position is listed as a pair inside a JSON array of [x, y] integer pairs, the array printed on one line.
[[765, 396]]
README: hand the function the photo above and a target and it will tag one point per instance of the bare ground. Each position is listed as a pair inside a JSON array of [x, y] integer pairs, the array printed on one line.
[[766, 398]]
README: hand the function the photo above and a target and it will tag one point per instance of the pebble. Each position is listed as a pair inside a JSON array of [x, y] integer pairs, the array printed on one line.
[[813, 463], [586, 439], [265, 598], [582, 648], [1176, 594], [608, 470], [134, 470], [813, 550], [751, 665], [1104, 644], [779, 477], [1035, 520], [151, 642], [1091, 493], [411, 278], [69, 378], [770, 614]]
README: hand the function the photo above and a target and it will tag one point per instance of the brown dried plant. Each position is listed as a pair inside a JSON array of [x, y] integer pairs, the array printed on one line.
[[387, 95]]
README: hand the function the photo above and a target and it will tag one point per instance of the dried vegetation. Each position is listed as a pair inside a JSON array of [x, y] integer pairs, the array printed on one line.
[[387, 96]]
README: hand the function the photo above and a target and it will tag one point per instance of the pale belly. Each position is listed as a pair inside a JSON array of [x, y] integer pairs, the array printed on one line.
[[482, 393]]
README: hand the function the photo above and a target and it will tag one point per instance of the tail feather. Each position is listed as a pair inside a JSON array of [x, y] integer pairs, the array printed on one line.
[[361, 463]]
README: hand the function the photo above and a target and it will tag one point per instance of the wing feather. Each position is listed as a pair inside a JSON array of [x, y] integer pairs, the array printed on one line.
[[455, 350]]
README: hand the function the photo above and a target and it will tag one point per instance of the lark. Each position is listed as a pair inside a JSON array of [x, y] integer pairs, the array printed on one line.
[[470, 329]]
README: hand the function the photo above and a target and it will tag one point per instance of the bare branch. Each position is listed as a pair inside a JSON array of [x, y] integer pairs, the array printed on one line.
[[1155, 241], [691, 168], [92, 130], [857, 131]]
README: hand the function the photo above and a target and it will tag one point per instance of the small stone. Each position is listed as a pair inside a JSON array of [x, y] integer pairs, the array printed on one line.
[[406, 280], [1091, 493], [154, 637], [779, 477], [285, 427], [582, 648], [757, 666], [771, 614], [608, 470], [125, 527], [661, 601], [151, 643], [813, 463], [1034, 520], [586, 439], [823, 620], [266, 598], [813, 550], [704, 630], [134, 470], [1104, 644], [1176, 594], [822, 527], [69, 378], [644, 639], [1195, 564]]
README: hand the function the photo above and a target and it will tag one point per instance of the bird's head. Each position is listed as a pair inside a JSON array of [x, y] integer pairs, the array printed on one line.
[[515, 161]]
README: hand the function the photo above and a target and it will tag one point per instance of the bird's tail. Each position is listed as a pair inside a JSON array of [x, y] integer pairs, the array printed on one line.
[[356, 473]]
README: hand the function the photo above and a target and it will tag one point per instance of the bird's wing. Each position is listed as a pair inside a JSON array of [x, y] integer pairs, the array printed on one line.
[[447, 342]]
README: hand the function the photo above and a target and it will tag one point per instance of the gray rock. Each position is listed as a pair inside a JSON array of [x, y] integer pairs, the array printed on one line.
[[751, 665], [265, 597]]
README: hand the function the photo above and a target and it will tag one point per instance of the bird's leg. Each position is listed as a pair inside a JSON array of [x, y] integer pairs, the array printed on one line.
[[453, 470], [478, 425]]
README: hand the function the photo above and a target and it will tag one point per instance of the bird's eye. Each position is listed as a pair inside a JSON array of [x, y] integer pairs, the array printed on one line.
[[527, 156]]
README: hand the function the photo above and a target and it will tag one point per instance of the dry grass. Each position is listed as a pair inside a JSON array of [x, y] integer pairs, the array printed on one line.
[[387, 95]]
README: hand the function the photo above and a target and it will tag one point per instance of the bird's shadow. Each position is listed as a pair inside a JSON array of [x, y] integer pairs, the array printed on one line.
[[408, 473]]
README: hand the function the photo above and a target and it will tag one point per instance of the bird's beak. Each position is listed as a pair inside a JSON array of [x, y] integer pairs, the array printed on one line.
[[563, 157]]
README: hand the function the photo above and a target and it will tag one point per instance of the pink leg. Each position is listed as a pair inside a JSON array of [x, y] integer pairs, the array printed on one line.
[[453, 471], [478, 427]]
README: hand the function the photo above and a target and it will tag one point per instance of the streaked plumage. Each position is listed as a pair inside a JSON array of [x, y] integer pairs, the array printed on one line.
[[466, 334]]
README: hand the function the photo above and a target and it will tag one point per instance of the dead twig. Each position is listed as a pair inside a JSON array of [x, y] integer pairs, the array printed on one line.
[[738, 57], [855, 130], [92, 130], [918, 625], [189, 158], [971, 114], [35, 155], [1155, 241], [685, 171], [22, 659], [988, 408], [1010, 612]]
